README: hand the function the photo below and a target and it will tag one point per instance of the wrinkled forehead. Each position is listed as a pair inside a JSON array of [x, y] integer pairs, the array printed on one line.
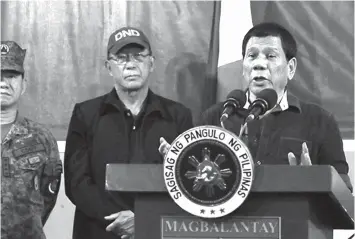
[[268, 42], [132, 49]]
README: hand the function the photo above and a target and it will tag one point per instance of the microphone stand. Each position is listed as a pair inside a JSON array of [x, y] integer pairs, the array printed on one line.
[[222, 124], [243, 129], [243, 134]]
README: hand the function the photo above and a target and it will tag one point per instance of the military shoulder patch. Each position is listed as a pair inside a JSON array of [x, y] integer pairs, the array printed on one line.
[[4, 49]]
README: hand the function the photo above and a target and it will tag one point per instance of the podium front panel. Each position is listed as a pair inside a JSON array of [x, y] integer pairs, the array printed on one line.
[[297, 214]]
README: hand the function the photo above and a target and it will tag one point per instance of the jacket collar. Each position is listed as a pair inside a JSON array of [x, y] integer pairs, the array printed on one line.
[[151, 104]]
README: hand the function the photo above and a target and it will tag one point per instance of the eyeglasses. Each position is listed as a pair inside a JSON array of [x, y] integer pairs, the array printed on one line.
[[123, 59]]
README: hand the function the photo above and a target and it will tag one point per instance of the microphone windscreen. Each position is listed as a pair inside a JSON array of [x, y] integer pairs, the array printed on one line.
[[239, 96], [270, 96]]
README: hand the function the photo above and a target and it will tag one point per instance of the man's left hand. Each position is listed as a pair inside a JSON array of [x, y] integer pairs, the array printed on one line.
[[305, 158], [123, 224]]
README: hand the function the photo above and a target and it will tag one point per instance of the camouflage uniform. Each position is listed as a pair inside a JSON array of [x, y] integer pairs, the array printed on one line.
[[30, 179]]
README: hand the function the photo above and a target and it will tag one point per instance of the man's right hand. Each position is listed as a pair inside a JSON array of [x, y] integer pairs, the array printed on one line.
[[163, 147]]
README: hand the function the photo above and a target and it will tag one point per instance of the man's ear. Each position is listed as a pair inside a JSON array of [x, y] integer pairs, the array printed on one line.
[[292, 65], [24, 85], [152, 63], [108, 67]]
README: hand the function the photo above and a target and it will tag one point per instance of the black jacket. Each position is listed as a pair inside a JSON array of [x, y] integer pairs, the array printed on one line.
[[99, 133]]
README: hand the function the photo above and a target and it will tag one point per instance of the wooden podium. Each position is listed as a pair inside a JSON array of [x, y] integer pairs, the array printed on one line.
[[308, 201]]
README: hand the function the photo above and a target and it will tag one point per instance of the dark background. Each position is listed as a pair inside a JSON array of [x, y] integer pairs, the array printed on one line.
[[66, 46]]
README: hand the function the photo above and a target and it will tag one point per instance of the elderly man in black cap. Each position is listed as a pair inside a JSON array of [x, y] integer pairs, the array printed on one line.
[[31, 167], [123, 126]]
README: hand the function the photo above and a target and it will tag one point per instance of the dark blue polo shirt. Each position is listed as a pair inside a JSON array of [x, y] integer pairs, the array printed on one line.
[[271, 138]]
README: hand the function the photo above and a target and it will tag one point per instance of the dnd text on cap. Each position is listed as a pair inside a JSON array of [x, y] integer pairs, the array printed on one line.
[[125, 36]]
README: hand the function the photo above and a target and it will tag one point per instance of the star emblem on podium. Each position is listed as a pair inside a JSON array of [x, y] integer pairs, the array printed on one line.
[[208, 173]]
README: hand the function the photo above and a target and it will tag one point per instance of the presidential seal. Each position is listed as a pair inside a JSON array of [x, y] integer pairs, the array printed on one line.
[[208, 171]]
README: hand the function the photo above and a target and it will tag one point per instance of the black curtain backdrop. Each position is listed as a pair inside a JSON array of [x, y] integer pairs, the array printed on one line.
[[66, 47], [324, 31]]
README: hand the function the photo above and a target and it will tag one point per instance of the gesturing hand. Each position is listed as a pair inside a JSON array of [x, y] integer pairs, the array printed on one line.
[[305, 158], [163, 147]]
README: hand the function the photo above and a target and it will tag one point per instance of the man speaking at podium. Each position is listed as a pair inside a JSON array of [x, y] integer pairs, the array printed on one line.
[[292, 132], [123, 126]]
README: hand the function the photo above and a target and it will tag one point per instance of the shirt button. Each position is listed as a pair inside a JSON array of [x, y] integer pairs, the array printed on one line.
[[134, 127], [128, 114], [258, 162]]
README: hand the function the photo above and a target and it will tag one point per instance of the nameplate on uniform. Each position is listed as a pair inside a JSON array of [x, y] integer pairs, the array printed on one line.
[[28, 149], [186, 227], [34, 160]]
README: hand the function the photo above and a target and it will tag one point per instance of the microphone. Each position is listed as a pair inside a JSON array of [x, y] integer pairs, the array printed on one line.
[[235, 100], [265, 101]]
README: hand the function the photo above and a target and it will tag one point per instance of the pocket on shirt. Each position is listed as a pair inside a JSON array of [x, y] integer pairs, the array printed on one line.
[[294, 145], [30, 168]]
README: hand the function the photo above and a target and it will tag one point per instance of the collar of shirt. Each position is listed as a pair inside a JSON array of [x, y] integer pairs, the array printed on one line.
[[19, 127], [287, 101]]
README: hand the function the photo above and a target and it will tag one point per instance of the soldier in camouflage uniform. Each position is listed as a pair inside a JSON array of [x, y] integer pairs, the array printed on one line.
[[30, 164]]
